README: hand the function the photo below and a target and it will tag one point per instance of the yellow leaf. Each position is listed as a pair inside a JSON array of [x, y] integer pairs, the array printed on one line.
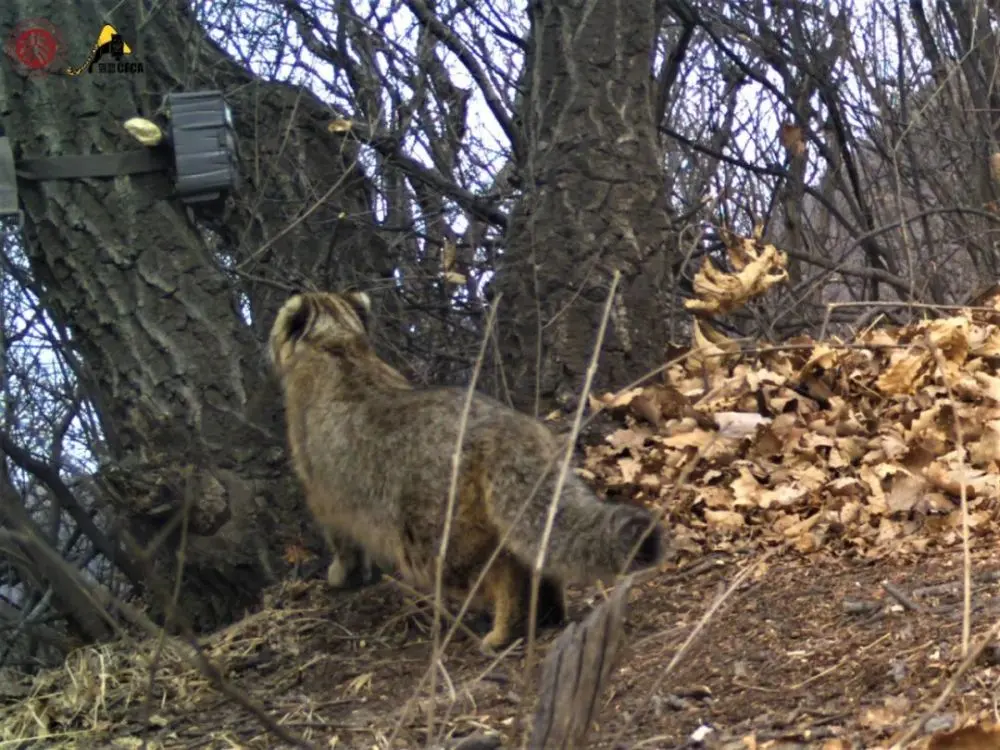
[[447, 256], [145, 131], [361, 682], [296, 554], [340, 125]]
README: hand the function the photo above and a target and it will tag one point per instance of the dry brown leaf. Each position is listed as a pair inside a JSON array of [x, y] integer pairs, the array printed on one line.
[[986, 450], [905, 492], [876, 498], [711, 349], [690, 439], [987, 344], [804, 526], [715, 497], [901, 377], [850, 513], [631, 439], [725, 520], [978, 483], [842, 461], [758, 269], [739, 424], [745, 488], [781, 497], [950, 336], [630, 469], [614, 400], [990, 385], [296, 554], [793, 139], [822, 357], [888, 531], [448, 253]]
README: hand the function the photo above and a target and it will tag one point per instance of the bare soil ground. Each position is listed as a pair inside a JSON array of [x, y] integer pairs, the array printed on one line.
[[810, 651]]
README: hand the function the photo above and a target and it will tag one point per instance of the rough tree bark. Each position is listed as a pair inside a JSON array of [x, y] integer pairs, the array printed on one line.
[[181, 382], [592, 174]]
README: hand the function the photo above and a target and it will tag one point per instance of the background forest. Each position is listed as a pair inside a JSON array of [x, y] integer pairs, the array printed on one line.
[[443, 156]]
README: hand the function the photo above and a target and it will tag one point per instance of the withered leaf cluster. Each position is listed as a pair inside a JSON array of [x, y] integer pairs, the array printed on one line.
[[863, 445]]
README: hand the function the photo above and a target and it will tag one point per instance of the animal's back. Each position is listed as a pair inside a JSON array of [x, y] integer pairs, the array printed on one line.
[[385, 472]]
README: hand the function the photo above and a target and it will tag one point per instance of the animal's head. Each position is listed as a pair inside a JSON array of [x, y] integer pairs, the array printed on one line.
[[335, 323]]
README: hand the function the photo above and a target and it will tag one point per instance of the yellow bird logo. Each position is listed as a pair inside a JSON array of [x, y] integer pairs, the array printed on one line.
[[109, 42]]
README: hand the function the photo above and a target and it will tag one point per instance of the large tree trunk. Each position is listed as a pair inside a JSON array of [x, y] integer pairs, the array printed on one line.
[[181, 382], [592, 172]]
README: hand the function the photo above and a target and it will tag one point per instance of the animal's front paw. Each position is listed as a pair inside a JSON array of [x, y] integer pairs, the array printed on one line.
[[336, 574], [509, 649], [496, 641], [349, 571], [368, 572]]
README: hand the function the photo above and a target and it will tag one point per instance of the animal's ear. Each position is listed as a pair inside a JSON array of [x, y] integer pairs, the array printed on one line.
[[296, 325], [362, 305]]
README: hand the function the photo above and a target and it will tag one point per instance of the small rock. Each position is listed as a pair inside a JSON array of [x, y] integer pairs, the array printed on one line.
[[939, 723], [478, 741]]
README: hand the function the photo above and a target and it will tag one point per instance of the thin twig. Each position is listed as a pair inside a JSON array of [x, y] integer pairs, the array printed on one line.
[[536, 573], [901, 596], [456, 461], [695, 632], [967, 662], [467, 602]]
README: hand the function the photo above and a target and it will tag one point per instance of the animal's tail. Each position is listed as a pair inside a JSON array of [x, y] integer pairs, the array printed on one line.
[[591, 540]]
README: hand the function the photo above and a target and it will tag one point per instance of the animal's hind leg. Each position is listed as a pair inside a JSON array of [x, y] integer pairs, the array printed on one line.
[[502, 587], [551, 603]]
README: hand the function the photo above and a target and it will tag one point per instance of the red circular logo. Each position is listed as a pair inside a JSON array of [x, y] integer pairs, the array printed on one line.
[[36, 46]]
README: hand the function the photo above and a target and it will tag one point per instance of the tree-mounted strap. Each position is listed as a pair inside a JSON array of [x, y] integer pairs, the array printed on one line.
[[8, 179], [200, 153], [92, 165], [69, 168]]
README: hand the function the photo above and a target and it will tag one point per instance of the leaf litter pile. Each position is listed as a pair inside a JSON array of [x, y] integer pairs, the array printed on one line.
[[859, 465], [865, 446]]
